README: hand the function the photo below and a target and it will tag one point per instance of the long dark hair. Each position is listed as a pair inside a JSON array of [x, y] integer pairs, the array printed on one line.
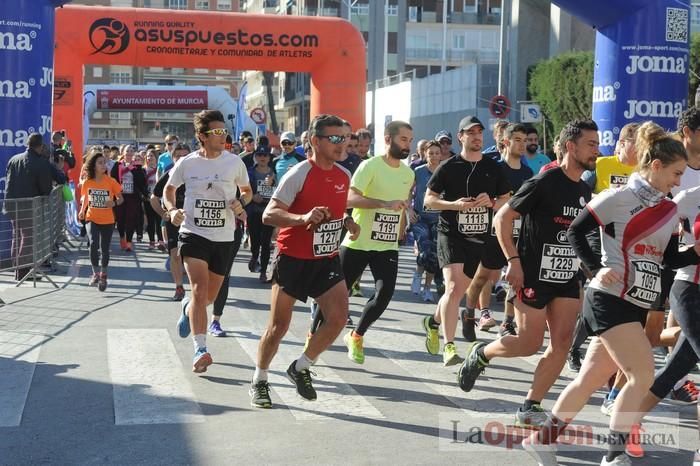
[[91, 163]]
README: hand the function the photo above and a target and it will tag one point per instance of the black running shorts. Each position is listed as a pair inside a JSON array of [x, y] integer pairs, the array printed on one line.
[[173, 233], [217, 254], [460, 250], [539, 295], [493, 257], [603, 311], [301, 278]]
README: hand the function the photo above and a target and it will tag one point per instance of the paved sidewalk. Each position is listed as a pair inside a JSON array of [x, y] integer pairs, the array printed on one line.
[[103, 378]]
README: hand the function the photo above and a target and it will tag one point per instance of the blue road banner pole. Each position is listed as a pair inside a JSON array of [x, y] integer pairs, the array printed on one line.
[[641, 62], [27, 30]]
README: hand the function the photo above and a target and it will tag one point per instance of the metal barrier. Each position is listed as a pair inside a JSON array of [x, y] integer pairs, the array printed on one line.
[[31, 232]]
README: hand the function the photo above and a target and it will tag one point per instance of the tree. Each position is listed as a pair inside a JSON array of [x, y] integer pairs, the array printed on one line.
[[563, 86]]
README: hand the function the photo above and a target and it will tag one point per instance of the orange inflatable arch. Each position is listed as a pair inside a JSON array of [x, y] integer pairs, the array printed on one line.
[[330, 49]]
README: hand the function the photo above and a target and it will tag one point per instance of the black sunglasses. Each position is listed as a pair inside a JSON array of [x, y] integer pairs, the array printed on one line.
[[333, 139]]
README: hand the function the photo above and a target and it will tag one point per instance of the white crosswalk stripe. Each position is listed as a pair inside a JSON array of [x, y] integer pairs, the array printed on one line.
[[335, 396], [19, 353], [149, 381]]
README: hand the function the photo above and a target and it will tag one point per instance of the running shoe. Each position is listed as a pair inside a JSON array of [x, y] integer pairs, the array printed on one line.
[[253, 265], [183, 323], [428, 296], [415, 284], [263, 277], [500, 293], [151, 245], [355, 351], [139, 238], [532, 418], [468, 324], [621, 460], [167, 264], [179, 293], [94, 279], [507, 328], [607, 407], [687, 394], [202, 360], [432, 337], [545, 455], [471, 368], [122, 243], [102, 284], [260, 395], [129, 246], [302, 380], [486, 322], [349, 323], [449, 354], [356, 291], [634, 445], [573, 360], [161, 246], [215, 329]]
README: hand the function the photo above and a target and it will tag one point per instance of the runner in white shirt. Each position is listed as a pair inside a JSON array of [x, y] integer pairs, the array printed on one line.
[[211, 176]]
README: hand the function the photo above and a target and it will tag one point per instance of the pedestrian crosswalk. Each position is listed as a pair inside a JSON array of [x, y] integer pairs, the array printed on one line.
[[18, 357]]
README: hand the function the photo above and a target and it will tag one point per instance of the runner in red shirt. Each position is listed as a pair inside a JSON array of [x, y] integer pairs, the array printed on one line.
[[309, 207]]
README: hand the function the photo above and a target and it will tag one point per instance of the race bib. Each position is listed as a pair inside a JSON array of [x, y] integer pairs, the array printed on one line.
[[385, 227], [559, 263], [618, 181], [647, 283], [327, 238], [474, 221], [517, 224], [98, 198], [265, 190], [209, 214], [128, 187]]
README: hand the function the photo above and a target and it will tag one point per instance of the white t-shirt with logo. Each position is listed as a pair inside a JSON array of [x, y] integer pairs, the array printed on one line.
[[211, 186], [688, 202]]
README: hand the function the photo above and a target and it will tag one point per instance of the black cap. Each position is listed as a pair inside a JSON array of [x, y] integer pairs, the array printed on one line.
[[469, 121]]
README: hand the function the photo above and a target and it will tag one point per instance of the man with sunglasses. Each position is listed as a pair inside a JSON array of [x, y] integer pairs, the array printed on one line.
[[379, 195], [248, 150], [444, 137], [289, 156], [206, 240], [165, 160], [309, 208]]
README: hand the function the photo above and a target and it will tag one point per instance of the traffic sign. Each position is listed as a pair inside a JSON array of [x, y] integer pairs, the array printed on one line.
[[258, 115], [530, 113], [499, 106]]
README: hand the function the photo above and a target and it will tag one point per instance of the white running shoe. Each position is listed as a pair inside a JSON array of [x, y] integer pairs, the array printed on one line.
[[621, 460], [545, 455], [415, 284], [428, 296]]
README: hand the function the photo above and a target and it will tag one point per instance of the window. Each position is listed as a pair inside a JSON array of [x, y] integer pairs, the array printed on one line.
[[413, 14], [177, 4], [458, 41], [360, 9], [120, 77], [392, 10], [97, 115], [201, 70], [156, 69], [471, 6], [223, 5], [97, 72], [202, 5]]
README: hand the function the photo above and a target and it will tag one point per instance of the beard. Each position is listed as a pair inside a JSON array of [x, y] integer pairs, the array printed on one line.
[[397, 152], [531, 148]]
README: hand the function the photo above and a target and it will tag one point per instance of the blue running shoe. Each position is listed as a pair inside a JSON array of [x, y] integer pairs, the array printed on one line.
[[167, 264], [215, 329], [202, 360], [183, 323]]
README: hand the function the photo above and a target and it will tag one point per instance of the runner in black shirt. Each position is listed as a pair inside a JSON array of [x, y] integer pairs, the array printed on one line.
[[543, 269], [466, 188]]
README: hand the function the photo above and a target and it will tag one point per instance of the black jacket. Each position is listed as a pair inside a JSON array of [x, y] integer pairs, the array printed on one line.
[[28, 175]]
